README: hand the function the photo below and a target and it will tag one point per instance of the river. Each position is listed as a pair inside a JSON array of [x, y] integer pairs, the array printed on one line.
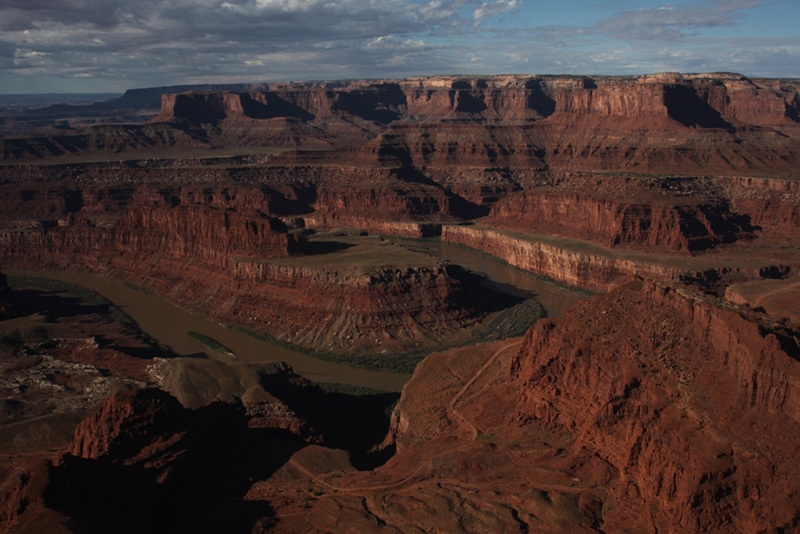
[[170, 325]]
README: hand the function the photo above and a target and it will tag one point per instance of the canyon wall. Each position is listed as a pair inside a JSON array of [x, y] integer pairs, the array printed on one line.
[[184, 231], [707, 100], [574, 263], [620, 221], [210, 250], [772, 205], [454, 148], [696, 406]]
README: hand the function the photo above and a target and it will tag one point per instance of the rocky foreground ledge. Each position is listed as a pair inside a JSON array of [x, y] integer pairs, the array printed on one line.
[[648, 408]]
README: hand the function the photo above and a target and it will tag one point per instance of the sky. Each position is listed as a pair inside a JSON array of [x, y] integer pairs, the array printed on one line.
[[62, 46]]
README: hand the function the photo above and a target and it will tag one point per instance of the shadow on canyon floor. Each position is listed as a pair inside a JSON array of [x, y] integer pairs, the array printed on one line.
[[318, 248], [349, 418], [191, 477]]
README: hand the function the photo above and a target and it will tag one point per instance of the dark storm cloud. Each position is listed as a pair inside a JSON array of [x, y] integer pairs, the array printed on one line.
[[103, 45], [7, 50], [168, 39]]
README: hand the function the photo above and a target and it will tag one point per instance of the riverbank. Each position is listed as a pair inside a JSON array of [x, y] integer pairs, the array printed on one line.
[[170, 326]]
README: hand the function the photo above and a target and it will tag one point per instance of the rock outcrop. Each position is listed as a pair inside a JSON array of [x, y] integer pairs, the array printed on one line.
[[614, 221], [698, 413], [444, 148], [650, 408], [213, 250], [146, 463], [585, 265]]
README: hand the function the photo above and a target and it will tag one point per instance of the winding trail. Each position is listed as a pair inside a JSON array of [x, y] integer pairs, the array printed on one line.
[[768, 294], [420, 477], [420, 467], [463, 390]]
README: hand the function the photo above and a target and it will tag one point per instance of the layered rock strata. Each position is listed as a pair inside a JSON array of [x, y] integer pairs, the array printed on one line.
[[650, 408], [681, 228], [582, 264], [212, 252], [697, 414]]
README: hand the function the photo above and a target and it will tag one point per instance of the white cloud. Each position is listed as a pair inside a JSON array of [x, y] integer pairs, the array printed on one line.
[[125, 43], [491, 9]]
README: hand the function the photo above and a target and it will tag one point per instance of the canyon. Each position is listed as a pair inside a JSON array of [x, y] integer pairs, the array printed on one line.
[[303, 213]]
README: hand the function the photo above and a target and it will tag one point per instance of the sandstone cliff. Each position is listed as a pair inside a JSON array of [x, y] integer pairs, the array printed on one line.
[[648, 409], [445, 148], [613, 221], [698, 413], [585, 265], [211, 250]]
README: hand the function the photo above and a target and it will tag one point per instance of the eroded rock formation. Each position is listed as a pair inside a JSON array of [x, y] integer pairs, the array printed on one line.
[[697, 413], [647, 408], [213, 250], [663, 165], [651, 408]]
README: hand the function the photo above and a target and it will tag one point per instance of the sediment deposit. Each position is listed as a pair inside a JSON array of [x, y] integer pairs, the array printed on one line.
[[667, 165]]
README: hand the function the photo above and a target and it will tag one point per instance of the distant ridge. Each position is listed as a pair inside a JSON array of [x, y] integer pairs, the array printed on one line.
[[134, 106], [150, 97]]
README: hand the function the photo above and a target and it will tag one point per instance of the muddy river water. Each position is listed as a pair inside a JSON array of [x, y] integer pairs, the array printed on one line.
[[169, 324]]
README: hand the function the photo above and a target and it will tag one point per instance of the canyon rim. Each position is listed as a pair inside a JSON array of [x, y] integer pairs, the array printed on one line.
[[664, 210]]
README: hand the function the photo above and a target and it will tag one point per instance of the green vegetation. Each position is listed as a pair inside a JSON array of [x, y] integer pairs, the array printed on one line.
[[139, 288], [211, 343], [349, 389], [490, 436], [389, 363], [515, 321]]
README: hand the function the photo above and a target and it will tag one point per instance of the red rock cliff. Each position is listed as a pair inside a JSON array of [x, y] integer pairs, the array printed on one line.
[[696, 406], [220, 262], [616, 220], [577, 264]]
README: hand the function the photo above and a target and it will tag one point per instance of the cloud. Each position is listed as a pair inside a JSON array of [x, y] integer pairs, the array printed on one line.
[[670, 22], [118, 44], [666, 22], [7, 50], [491, 9], [166, 40]]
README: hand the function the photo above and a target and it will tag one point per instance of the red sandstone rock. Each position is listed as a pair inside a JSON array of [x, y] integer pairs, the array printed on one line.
[[689, 410], [647, 409], [616, 221], [209, 251]]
